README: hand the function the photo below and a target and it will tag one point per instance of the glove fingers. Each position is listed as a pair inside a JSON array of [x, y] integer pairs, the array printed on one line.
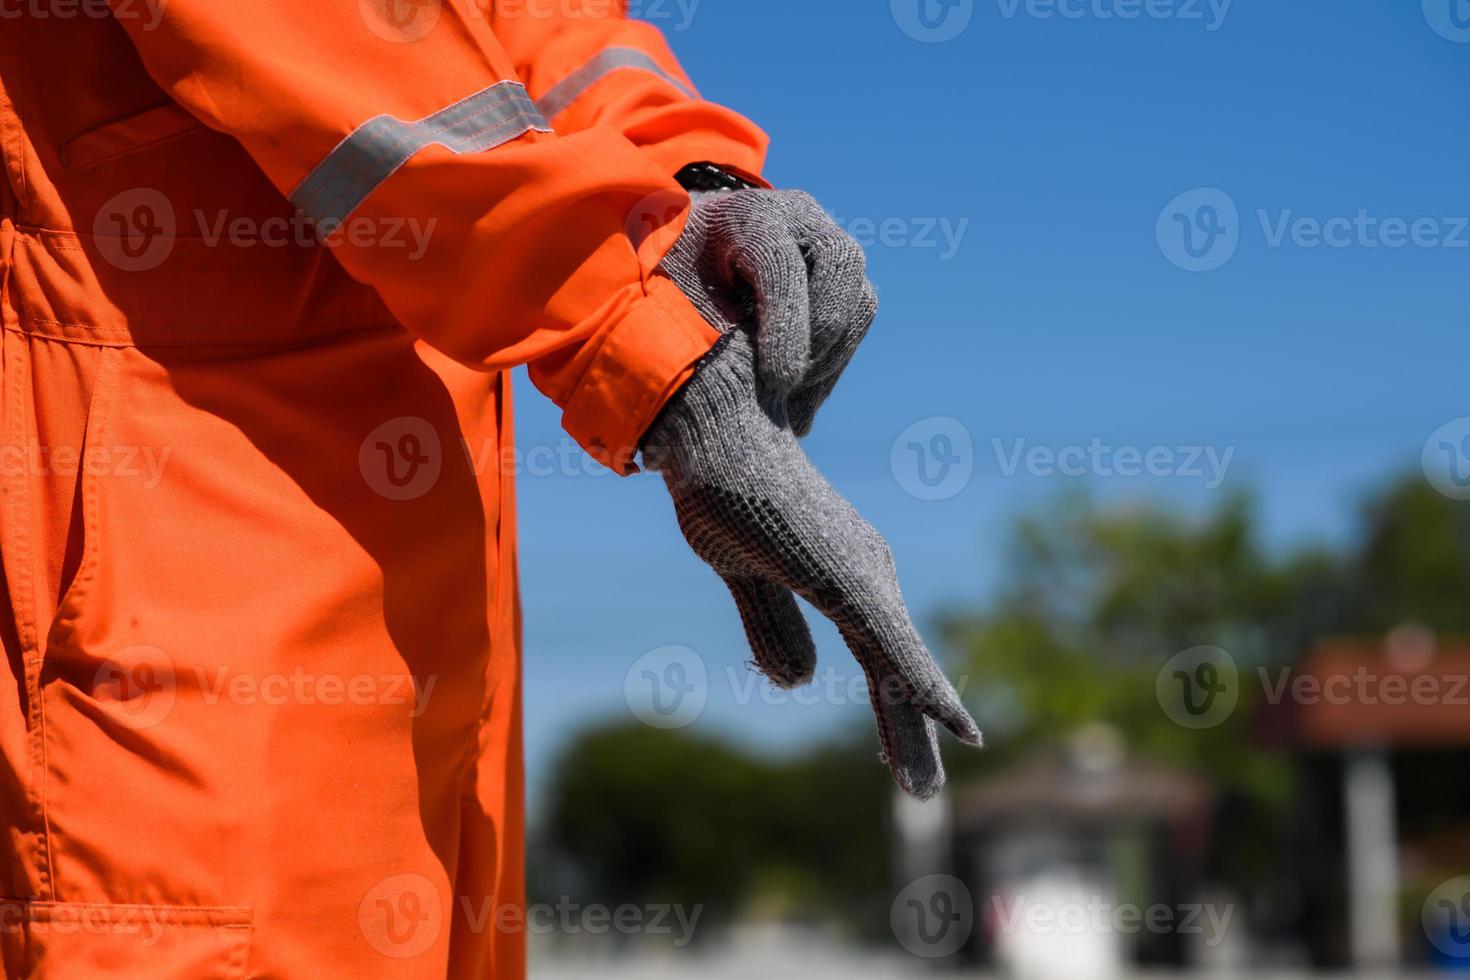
[[828, 367], [783, 536], [930, 691], [884, 641], [776, 270], [776, 630], [842, 299], [856, 587], [843, 306], [753, 507], [910, 746]]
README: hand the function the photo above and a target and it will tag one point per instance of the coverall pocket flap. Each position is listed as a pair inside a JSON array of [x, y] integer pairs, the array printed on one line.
[[66, 940], [126, 135]]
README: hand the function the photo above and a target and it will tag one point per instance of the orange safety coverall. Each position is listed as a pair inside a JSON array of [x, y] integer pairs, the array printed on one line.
[[260, 716]]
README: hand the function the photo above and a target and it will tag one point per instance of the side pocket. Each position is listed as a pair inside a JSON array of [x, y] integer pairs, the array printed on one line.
[[127, 135], [80, 941], [96, 434]]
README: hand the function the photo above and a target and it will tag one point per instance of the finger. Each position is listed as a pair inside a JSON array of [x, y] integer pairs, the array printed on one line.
[[776, 630], [800, 533], [910, 746], [777, 273], [828, 367], [856, 587], [881, 637], [805, 214], [842, 299], [922, 684]]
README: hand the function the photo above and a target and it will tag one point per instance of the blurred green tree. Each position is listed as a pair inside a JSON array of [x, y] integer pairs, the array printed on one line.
[[1100, 598], [642, 815]]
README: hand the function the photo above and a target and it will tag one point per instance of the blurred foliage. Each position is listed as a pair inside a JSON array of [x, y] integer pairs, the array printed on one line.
[[1098, 598], [1414, 564], [642, 815]]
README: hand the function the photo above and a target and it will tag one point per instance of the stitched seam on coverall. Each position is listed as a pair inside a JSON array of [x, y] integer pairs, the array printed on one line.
[[126, 338], [20, 519], [20, 537], [12, 136], [561, 95]]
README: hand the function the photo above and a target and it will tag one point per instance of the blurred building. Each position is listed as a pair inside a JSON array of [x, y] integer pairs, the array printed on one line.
[[1065, 846], [1377, 734], [1380, 731]]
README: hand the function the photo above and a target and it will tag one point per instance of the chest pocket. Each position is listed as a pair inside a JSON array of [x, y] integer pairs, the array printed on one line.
[[127, 135]]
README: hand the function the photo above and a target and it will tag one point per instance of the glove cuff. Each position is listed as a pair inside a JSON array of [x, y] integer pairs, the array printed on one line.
[[675, 403]]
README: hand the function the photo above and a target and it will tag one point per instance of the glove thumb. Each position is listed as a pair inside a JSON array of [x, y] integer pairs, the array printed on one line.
[[776, 630]]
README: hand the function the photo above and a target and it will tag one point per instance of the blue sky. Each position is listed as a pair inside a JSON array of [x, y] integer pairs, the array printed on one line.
[[1039, 154]]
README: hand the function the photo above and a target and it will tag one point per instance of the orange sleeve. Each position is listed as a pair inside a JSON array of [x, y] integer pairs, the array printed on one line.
[[371, 113], [587, 64]]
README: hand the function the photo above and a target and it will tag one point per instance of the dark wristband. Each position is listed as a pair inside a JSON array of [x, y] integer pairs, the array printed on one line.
[[708, 177]]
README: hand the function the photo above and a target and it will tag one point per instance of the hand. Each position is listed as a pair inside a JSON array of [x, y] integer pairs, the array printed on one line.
[[777, 257], [754, 508]]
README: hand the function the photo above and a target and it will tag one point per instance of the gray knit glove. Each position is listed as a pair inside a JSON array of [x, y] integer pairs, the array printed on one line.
[[754, 508], [787, 263]]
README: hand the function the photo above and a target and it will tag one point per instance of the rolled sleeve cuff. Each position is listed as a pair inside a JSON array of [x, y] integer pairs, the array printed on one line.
[[638, 367]]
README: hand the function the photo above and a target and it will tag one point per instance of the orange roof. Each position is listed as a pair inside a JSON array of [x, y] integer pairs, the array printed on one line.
[[1350, 693]]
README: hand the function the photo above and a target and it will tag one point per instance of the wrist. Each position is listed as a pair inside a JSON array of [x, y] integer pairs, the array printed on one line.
[[711, 177]]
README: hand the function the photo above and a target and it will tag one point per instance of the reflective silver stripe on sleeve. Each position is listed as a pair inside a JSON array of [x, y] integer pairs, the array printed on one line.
[[375, 150], [569, 89]]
